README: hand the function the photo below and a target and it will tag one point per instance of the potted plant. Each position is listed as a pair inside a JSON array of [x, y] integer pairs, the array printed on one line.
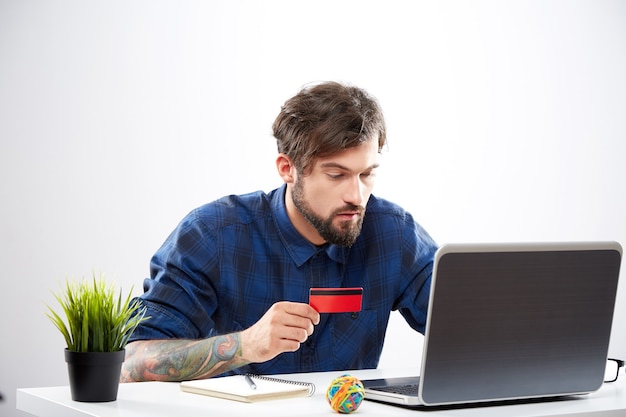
[[98, 323]]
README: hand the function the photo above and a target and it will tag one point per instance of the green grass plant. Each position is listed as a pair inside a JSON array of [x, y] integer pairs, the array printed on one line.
[[98, 319]]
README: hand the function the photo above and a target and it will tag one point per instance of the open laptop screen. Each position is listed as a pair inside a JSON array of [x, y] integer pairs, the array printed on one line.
[[516, 321], [513, 321]]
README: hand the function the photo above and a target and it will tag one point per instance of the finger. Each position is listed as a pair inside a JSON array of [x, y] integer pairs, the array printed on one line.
[[292, 327], [286, 345], [297, 322], [296, 334], [302, 310]]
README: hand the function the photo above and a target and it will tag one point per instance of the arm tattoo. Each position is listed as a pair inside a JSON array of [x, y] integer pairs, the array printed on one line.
[[226, 347], [179, 360]]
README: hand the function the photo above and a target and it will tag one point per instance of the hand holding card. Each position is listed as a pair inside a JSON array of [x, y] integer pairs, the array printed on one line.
[[336, 300]]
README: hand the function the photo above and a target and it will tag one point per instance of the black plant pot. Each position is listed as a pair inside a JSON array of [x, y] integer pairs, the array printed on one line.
[[94, 376]]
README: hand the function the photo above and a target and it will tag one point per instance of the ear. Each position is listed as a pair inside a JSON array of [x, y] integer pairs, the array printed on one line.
[[286, 168]]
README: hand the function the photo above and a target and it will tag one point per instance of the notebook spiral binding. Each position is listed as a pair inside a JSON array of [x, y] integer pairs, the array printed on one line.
[[309, 385]]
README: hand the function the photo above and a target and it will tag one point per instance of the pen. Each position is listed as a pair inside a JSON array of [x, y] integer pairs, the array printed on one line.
[[250, 382]]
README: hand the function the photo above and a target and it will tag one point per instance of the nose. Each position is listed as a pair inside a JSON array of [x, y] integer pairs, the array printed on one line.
[[354, 193]]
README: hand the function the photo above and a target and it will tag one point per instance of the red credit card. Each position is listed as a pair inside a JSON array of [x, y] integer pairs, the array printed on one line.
[[336, 300]]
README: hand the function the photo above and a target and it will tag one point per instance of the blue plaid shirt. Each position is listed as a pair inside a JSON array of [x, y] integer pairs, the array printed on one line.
[[228, 261]]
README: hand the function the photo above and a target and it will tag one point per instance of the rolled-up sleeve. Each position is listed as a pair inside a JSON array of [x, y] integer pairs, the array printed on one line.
[[181, 294]]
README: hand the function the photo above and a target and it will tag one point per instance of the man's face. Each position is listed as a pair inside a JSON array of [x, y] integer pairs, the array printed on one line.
[[333, 196]]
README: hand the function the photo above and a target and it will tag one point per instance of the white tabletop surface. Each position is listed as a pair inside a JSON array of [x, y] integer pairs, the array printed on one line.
[[155, 399]]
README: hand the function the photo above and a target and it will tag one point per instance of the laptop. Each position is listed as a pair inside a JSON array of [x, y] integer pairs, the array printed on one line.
[[512, 322]]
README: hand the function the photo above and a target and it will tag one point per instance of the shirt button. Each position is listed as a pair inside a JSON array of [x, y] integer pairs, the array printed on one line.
[[354, 315]]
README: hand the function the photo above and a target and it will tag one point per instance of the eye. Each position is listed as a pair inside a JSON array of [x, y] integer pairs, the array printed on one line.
[[334, 176]]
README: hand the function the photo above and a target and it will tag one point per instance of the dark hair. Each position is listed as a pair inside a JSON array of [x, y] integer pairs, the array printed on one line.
[[326, 118]]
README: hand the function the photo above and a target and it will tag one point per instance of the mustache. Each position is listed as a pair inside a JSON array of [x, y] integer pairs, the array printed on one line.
[[350, 207]]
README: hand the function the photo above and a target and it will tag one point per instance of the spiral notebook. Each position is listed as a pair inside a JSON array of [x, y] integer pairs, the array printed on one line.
[[249, 388]]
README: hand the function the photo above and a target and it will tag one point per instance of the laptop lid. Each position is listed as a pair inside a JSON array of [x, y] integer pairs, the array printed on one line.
[[516, 321]]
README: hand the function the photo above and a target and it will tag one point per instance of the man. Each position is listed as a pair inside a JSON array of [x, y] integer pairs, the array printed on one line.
[[229, 287]]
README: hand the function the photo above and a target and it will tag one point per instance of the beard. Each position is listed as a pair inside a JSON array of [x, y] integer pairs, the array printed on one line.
[[345, 234]]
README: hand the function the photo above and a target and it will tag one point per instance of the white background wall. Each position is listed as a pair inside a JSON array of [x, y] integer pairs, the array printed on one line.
[[506, 122]]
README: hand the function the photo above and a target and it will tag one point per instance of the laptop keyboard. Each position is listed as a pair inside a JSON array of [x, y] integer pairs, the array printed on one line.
[[410, 389]]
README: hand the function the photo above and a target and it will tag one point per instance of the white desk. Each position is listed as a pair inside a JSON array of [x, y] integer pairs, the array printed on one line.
[[155, 399]]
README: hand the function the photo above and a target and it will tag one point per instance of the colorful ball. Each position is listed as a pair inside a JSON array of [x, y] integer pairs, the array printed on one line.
[[345, 394]]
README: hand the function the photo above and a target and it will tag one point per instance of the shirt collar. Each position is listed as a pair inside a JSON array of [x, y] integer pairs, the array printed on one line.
[[300, 249]]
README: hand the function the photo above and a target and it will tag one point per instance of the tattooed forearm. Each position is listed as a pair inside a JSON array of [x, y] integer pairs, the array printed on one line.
[[227, 347], [179, 360]]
